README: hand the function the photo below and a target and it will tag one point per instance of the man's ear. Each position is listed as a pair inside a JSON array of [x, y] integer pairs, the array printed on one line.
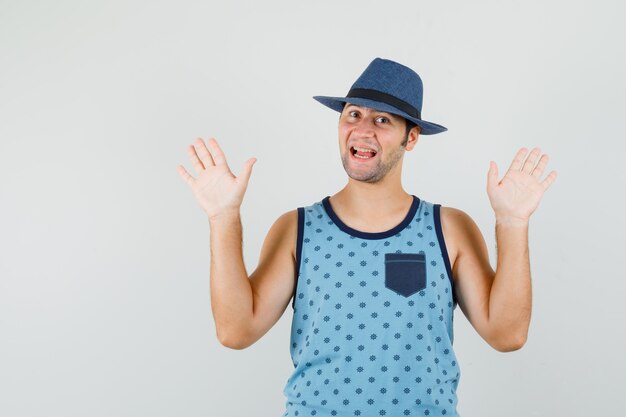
[[414, 134]]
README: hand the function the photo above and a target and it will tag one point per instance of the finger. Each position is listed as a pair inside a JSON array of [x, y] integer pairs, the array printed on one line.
[[492, 175], [549, 180], [195, 161], [516, 165], [204, 154], [247, 170], [538, 171], [185, 175], [217, 153], [529, 165]]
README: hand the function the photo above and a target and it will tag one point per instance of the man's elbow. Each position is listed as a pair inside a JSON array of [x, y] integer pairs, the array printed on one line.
[[510, 344], [233, 342]]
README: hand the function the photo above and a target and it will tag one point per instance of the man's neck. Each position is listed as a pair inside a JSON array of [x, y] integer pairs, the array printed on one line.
[[368, 207]]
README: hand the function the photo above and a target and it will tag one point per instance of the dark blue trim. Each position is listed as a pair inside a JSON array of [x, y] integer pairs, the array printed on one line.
[[371, 235], [442, 245], [298, 252]]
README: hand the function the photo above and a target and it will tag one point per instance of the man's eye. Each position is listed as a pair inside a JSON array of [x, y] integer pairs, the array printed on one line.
[[352, 113], [384, 119]]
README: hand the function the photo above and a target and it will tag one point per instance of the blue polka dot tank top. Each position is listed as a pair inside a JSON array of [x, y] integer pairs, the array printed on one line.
[[372, 326]]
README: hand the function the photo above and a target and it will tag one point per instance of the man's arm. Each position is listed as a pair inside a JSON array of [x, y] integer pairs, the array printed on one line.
[[231, 294], [498, 304], [245, 308]]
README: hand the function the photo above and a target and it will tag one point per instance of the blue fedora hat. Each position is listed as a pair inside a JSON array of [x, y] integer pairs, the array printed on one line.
[[387, 86]]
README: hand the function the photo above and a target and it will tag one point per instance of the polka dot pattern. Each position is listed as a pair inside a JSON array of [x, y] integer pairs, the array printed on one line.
[[372, 327]]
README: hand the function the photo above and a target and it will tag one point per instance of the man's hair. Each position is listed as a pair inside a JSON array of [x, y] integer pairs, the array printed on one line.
[[409, 125]]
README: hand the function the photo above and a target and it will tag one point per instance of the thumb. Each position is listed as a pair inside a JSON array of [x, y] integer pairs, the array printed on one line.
[[247, 170], [492, 175]]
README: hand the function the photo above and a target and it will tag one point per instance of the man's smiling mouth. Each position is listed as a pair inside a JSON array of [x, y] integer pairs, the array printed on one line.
[[362, 153]]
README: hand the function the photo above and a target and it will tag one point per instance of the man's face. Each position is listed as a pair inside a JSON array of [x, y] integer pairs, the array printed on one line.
[[368, 129]]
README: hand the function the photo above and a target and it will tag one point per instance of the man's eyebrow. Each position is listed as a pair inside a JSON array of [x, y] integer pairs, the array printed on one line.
[[374, 110]]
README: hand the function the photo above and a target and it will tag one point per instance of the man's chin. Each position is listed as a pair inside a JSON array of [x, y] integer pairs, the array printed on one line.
[[369, 176], [363, 178]]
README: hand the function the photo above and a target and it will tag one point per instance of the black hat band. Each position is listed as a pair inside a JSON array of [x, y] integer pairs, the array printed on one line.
[[385, 98]]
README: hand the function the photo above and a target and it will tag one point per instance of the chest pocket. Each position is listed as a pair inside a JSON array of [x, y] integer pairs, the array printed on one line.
[[405, 273]]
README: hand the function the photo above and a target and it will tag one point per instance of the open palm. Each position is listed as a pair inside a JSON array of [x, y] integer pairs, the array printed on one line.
[[519, 192], [217, 190]]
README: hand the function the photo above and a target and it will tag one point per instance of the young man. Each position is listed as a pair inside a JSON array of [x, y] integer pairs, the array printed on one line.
[[373, 273]]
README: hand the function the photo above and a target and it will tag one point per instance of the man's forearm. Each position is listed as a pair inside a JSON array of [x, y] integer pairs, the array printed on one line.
[[231, 292], [510, 301]]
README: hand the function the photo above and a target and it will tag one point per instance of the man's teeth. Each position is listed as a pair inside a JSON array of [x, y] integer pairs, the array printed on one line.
[[364, 149]]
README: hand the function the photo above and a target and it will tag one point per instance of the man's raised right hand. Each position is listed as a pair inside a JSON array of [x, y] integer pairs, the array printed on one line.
[[217, 190]]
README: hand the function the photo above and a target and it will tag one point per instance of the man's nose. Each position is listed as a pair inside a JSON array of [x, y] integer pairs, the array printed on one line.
[[365, 125]]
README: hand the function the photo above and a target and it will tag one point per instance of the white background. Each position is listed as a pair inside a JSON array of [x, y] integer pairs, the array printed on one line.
[[104, 252]]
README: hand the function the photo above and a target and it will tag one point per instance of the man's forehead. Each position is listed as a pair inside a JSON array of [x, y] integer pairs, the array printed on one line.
[[369, 109]]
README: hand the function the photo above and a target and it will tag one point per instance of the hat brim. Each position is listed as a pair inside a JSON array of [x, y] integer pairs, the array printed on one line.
[[337, 103]]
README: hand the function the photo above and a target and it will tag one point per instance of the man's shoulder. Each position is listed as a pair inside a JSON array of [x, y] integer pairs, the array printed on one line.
[[458, 228], [283, 232], [453, 213], [288, 219], [455, 219]]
